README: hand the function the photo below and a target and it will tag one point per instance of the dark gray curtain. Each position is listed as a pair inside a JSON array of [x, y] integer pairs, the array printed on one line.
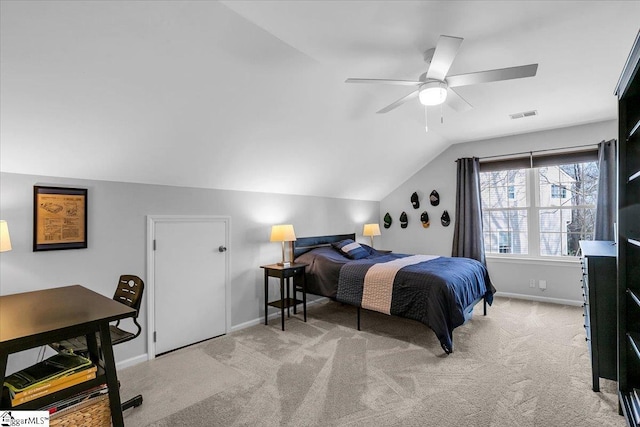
[[607, 191], [467, 233]]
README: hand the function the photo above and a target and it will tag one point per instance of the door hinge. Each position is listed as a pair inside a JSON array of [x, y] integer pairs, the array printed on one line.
[[154, 244], [154, 336]]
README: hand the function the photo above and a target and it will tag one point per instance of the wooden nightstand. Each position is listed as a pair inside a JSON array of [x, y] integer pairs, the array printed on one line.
[[284, 273]]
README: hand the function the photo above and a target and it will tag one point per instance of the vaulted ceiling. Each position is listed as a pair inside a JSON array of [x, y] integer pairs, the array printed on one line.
[[251, 95]]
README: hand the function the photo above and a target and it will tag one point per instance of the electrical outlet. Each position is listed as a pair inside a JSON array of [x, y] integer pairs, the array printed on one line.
[[542, 284], [532, 283]]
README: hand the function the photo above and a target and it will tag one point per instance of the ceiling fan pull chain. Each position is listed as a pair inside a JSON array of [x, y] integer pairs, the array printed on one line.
[[426, 124], [441, 115]]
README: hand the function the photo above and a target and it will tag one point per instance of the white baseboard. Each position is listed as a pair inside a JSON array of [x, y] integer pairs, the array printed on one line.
[[132, 361], [274, 315], [145, 357], [248, 324], [539, 299]]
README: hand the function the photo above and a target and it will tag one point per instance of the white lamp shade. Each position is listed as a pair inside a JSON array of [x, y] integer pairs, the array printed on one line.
[[5, 240], [433, 93], [371, 230], [282, 233]]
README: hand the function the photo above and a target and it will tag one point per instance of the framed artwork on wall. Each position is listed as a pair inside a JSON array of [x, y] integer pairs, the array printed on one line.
[[59, 218]]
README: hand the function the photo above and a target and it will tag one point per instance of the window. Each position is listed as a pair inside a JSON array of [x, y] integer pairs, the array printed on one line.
[[558, 191], [539, 211], [504, 211], [504, 238]]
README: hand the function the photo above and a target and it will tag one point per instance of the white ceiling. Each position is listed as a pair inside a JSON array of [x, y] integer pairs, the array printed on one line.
[[251, 95]]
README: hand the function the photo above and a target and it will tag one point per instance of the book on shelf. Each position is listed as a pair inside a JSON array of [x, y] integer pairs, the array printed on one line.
[[634, 398], [56, 366], [50, 375], [56, 385], [76, 399], [83, 373]]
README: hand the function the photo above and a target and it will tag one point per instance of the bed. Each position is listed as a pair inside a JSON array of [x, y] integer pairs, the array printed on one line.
[[440, 292]]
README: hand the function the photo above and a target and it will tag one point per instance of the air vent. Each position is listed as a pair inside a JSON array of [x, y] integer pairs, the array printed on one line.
[[524, 114]]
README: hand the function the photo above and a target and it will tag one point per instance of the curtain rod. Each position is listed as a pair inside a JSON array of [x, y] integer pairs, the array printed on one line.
[[539, 151]]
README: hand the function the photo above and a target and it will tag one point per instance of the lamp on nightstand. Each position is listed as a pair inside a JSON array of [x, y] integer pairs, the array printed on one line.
[[5, 240], [371, 230], [283, 233]]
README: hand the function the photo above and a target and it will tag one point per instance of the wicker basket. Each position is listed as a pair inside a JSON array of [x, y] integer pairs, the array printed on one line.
[[92, 413]]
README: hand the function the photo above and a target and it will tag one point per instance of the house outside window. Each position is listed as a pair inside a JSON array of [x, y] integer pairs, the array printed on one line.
[[539, 212], [504, 242], [558, 191], [505, 211]]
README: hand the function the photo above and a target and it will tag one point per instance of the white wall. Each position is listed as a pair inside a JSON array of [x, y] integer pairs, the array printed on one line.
[[117, 238], [510, 277]]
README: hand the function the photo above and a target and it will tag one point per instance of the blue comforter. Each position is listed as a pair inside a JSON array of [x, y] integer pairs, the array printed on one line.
[[438, 293]]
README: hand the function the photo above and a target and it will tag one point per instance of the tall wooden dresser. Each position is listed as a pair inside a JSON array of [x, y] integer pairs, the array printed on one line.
[[599, 291], [628, 92]]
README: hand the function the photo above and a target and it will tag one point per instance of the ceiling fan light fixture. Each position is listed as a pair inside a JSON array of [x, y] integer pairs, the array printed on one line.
[[433, 93]]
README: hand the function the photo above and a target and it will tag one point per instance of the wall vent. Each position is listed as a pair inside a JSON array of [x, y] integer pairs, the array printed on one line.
[[524, 114]]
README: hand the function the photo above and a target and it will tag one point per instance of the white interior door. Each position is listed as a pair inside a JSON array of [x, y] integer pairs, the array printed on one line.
[[189, 282]]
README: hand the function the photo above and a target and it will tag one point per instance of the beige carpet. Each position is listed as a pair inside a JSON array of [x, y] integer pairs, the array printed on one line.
[[525, 364]]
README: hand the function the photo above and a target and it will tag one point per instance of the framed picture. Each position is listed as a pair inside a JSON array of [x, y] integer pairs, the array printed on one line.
[[59, 218]]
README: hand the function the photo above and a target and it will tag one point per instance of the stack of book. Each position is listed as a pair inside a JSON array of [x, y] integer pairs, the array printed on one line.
[[53, 374], [635, 405], [77, 400]]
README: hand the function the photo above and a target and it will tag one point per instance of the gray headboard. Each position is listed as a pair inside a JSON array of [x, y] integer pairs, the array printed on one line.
[[305, 244]]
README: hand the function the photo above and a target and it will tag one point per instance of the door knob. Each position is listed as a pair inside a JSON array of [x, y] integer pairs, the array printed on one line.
[[222, 248]]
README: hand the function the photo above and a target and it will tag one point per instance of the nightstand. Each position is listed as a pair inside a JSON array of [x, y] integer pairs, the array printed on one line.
[[284, 273]]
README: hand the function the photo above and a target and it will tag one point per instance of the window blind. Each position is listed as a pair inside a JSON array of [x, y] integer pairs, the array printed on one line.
[[536, 160]]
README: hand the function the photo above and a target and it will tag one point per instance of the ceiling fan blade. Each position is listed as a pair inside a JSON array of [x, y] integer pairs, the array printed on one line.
[[399, 102], [385, 81], [493, 75], [443, 57], [456, 102]]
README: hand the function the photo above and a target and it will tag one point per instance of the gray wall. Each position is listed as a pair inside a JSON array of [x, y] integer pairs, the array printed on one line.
[[117, 238], [509, 276], [117, 230]]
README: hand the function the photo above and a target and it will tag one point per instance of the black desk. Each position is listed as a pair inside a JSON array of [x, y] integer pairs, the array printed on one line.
[[33, 319]]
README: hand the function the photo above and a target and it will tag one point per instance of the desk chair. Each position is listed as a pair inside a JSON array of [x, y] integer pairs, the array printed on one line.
[[129, 293]]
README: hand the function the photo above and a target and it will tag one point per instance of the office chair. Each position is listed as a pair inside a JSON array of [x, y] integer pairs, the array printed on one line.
[[129, 293]]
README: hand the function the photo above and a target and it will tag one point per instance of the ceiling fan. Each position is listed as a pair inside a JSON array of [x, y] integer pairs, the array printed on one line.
[[434, 87]]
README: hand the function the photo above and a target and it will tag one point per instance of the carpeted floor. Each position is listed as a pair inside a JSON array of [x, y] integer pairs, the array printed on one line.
[[525, 364]]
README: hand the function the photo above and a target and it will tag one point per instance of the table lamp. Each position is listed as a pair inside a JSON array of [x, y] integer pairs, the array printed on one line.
[[371, 230], [5, 240], [283, 233]]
